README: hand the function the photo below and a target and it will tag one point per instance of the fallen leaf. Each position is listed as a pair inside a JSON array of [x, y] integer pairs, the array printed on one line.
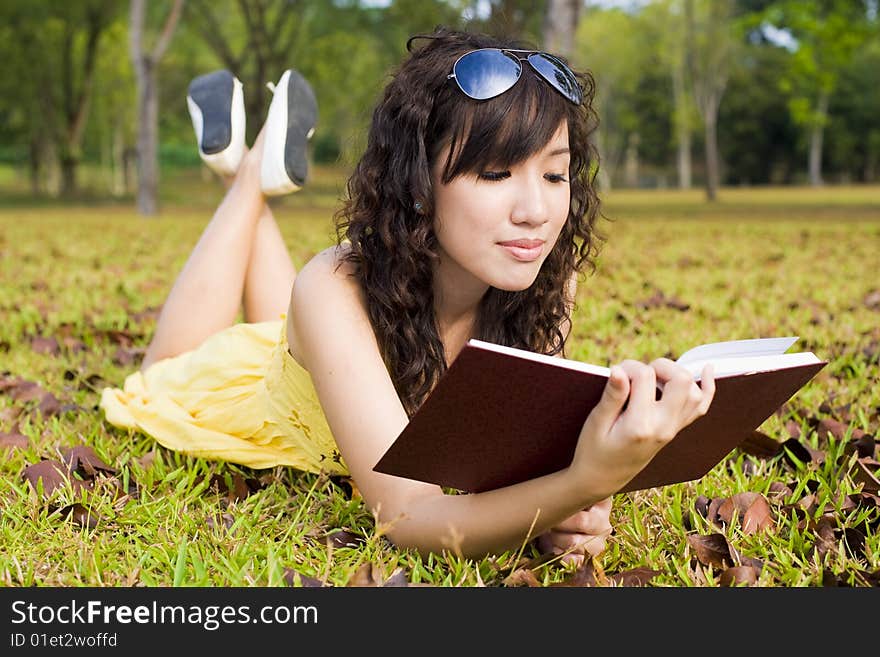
[[712, 550], [367, 575], [294, 577], [343, 538], [44, 345], [738, 575], [23, 391], [53, 474], [83, 460], [752, 509], [864, 473], [396, 580], [521, 577], [13, 439], [761, 445], [79, 514], [225, 520], [794, 449], [634, 577], [584, 575], [872, 300]]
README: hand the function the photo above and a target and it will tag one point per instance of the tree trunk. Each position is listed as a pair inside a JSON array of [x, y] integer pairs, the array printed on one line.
[[603, 178], [631, 163], [816, 138], [117, 161], [560, 24], [148, 129], [146, 74], [682, 125], [712, 165]]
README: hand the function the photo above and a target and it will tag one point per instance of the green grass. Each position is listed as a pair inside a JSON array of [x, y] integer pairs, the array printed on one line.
[[759, 262]]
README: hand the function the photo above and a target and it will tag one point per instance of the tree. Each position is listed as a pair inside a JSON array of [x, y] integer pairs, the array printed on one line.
[[256, 40], [522, 19], [827, 33], [58, 44], [667, 25], [146, 66], [711, 45], [560, 25], [605, 45]]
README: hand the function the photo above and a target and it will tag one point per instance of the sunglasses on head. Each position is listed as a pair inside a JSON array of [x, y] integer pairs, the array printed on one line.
[[489, 72]]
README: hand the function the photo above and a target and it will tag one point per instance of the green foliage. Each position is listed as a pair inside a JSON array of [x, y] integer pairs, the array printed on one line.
[[347, 50]]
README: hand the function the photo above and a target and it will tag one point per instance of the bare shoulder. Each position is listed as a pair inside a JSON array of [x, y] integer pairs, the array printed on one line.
[[325, 284]]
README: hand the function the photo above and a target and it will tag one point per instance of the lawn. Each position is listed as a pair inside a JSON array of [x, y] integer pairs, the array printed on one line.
[[796, 506]]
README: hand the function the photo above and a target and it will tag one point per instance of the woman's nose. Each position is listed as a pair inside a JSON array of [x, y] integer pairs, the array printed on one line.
[[530, 204]]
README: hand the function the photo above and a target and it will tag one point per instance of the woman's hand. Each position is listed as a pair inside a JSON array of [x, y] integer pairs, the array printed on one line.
[[616, 443], [582, 534]]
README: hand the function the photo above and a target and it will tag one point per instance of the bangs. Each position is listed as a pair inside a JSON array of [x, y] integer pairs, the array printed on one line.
[[501, 131]]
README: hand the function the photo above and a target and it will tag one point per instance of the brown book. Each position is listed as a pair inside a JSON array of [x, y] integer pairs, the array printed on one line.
[[500, 415]]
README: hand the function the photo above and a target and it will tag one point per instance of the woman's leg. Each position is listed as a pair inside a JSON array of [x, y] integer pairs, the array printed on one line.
[[206, 297], [270, 272]]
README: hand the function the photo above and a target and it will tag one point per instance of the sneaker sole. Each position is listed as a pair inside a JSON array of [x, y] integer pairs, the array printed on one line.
[[290, 123], [216, 106]]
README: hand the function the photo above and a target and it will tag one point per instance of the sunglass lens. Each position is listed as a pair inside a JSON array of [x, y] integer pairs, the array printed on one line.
[[486, 73], [558, 75]]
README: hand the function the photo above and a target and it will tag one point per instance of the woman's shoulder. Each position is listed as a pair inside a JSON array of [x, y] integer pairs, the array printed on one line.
[[327, 270], [324, 288]]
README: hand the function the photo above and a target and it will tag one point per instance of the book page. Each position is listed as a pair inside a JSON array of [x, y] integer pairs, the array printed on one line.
[[731, 365], [738, 348], [541, 358]]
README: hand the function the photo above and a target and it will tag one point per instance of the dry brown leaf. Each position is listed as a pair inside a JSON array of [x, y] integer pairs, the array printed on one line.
[[367, 575], [45, 345], [225, 520], [872, 300], [13, 439], [292, 577], [634, 577], [23, 391], [752, 509], [343, 538], [396, 580], [10, 414], [521, 577], [80, 515], [801, 452], [54, 475], [865, 473], [738, 576], [712, 550], [584, 575], [83, 460], [761, 445]]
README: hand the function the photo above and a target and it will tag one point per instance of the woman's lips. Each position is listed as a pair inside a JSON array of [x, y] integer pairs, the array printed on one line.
[[524, 250]]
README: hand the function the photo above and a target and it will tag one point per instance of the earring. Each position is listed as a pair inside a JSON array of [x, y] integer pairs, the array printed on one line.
[[418, 207]]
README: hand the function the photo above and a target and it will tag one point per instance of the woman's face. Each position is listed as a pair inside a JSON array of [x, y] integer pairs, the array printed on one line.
[[500, 225]]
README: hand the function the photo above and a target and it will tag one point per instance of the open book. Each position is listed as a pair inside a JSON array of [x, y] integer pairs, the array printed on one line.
[[501, 415]]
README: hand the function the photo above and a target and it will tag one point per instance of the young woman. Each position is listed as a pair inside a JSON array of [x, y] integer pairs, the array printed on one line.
[[470, 214]]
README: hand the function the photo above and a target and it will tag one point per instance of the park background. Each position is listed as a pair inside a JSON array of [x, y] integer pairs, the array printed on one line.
[[739, 145]]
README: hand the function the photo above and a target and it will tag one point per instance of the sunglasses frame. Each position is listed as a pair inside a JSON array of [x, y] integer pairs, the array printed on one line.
[[555, 61]]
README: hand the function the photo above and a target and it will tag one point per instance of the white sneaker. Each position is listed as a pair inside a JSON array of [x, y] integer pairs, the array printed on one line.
[[290, 123], [216, 107]]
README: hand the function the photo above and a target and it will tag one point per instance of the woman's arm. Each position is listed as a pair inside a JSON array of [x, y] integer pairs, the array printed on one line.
[[333, 336]]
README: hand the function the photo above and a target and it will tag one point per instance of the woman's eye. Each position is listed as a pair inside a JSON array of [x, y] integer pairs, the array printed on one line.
[[494, 175], [555, 177]]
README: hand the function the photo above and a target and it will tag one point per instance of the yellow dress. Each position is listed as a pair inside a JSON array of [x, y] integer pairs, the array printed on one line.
[[239, 396]]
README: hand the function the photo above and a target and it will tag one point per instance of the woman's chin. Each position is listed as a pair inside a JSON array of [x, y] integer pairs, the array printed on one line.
[[515, 284]]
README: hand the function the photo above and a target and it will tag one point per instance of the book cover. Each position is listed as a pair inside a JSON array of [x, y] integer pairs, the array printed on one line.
[[500, 415]]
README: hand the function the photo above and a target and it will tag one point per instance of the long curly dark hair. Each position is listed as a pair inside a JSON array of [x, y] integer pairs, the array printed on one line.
[[393, 244]]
